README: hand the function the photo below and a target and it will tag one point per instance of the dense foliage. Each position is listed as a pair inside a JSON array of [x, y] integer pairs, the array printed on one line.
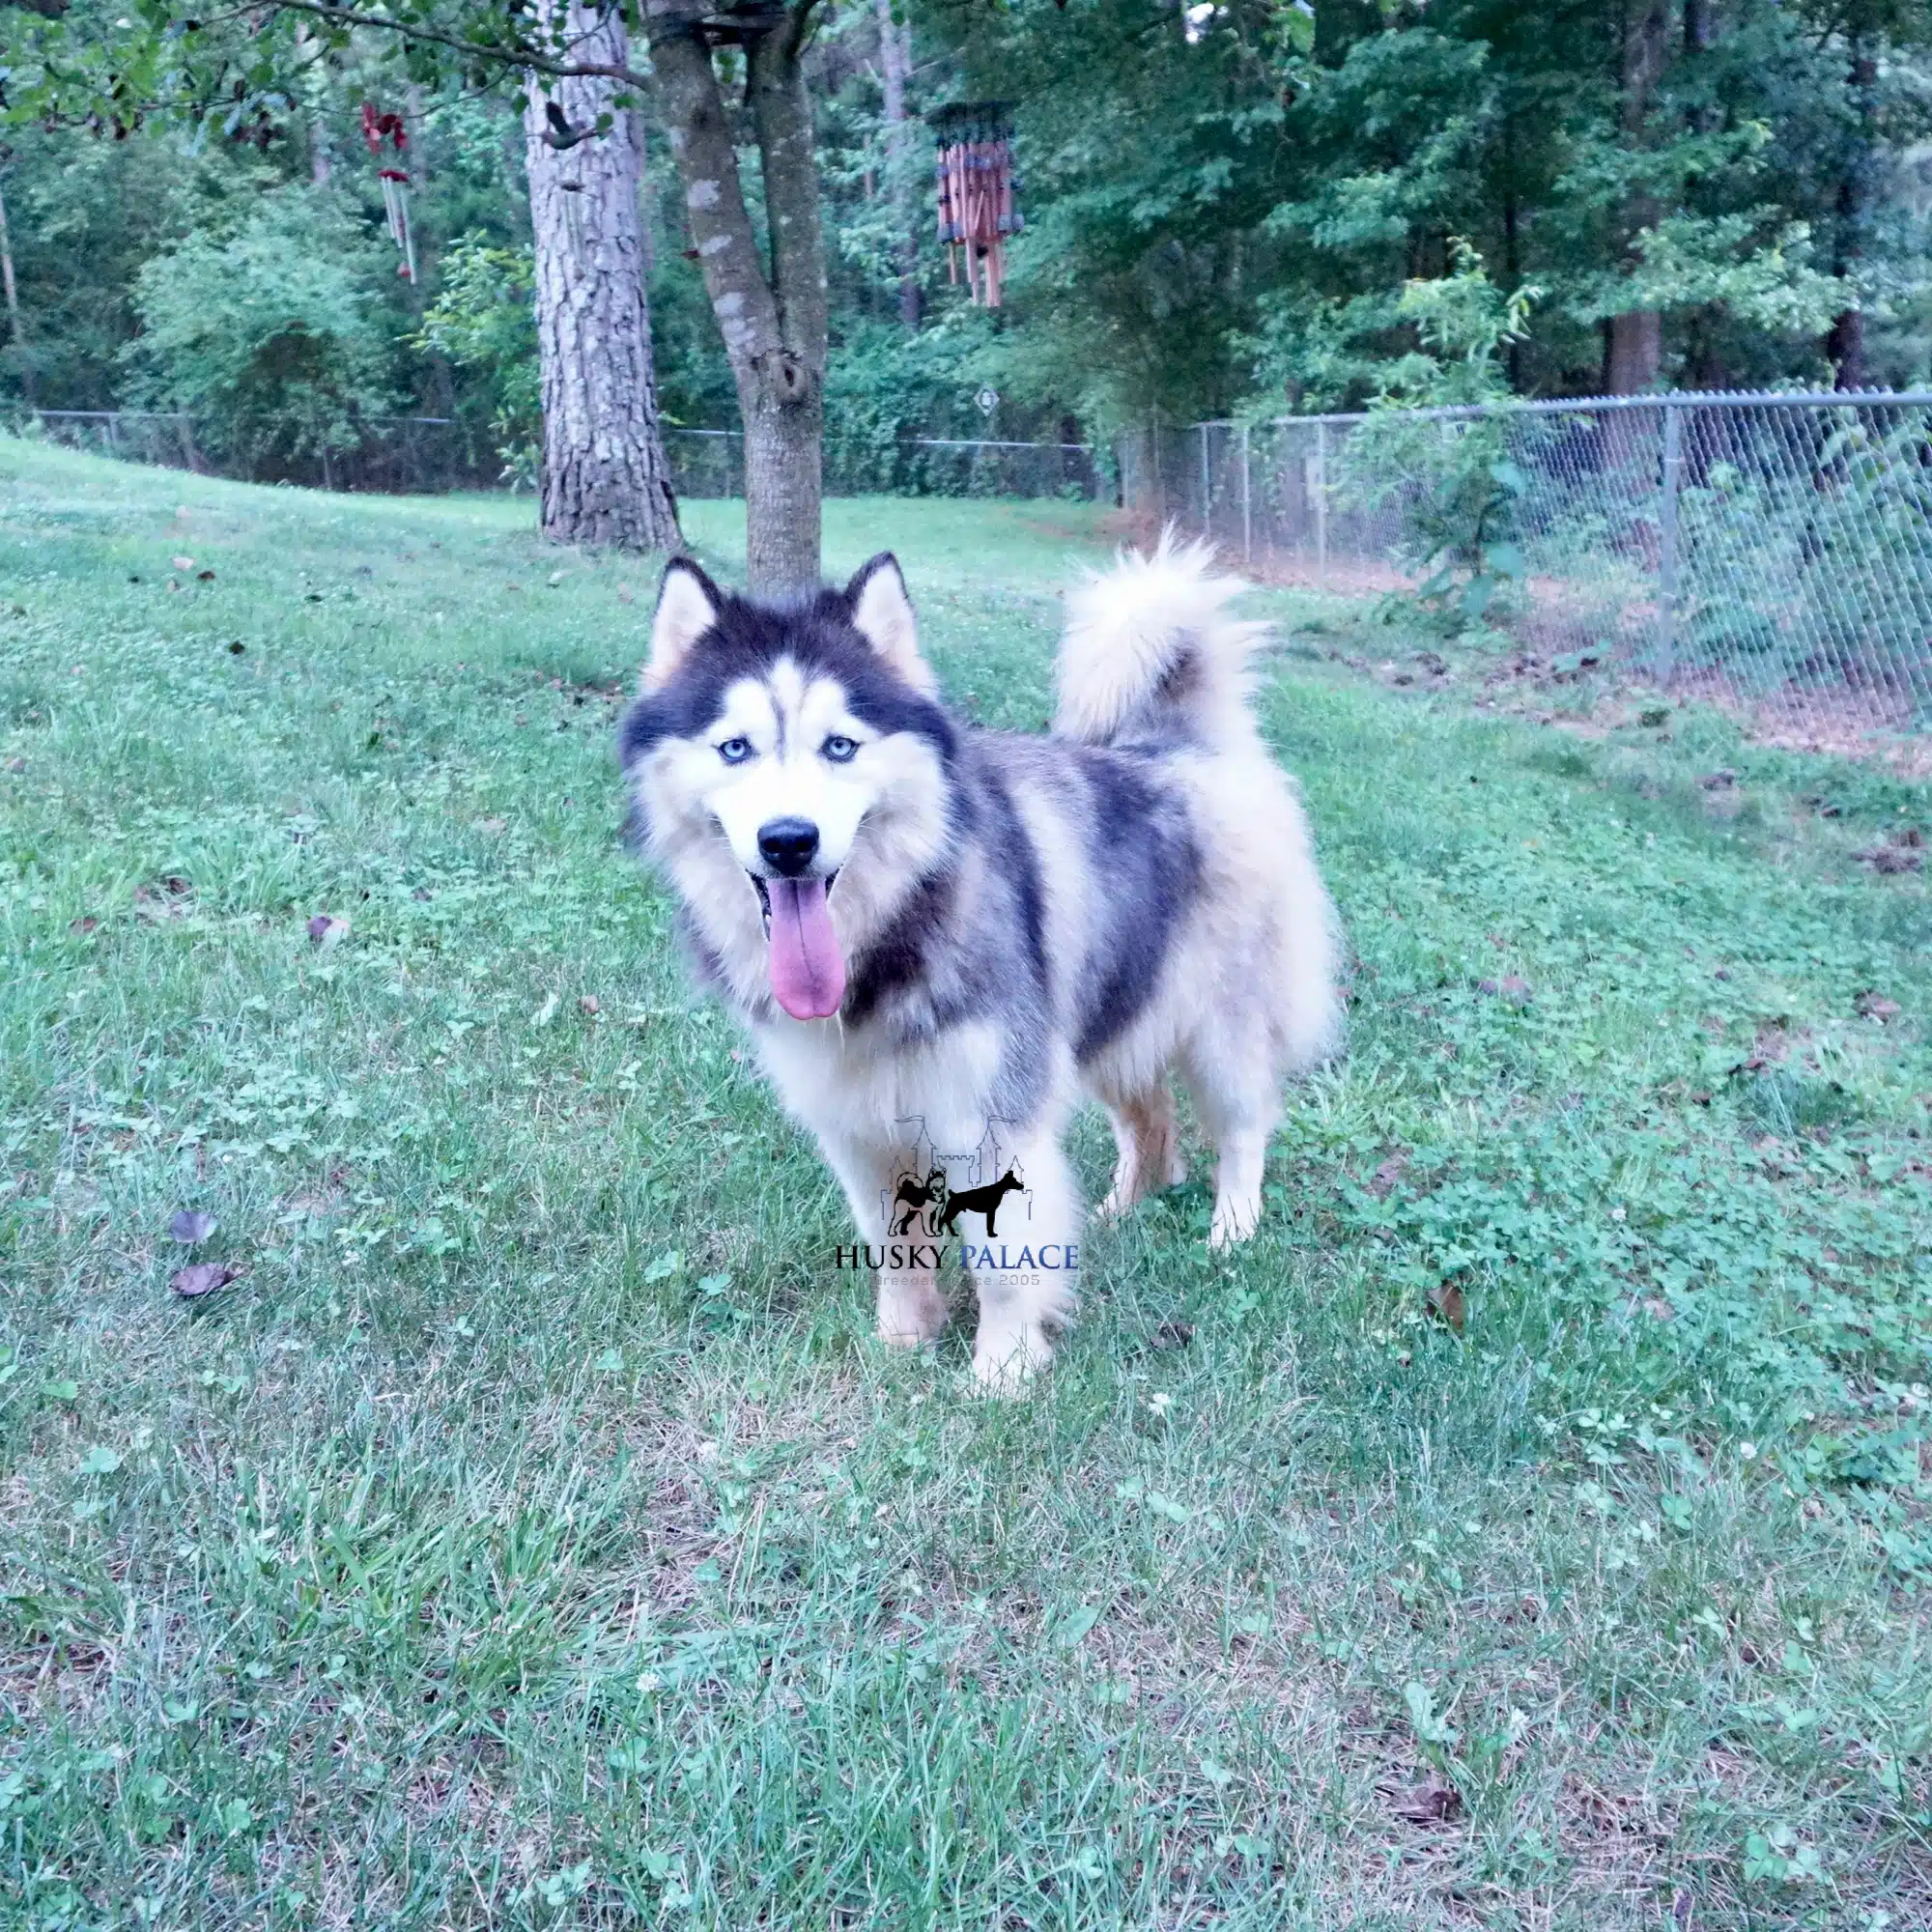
[[1228, 207]]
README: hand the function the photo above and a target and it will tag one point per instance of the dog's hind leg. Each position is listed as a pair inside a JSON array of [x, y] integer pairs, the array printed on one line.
[[1236, 1093], [1149, 1142], [912, 1311], [1030, 1276]]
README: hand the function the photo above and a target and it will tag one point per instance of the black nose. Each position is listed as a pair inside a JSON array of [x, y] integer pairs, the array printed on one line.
[[788, 844]]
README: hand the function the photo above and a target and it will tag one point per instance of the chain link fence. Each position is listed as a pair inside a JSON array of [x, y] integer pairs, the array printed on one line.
[[711, 463], [390, 454], [437, 453], [1772, 547]]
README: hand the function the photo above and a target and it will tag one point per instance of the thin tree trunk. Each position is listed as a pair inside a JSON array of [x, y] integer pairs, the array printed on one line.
[[604, 478], [1634, 350], [894, 69], [1845, 344], [773, 323], [12, 290]]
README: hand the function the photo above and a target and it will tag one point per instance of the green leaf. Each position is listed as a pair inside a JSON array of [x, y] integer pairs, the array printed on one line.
[[1476, 595], [99, 1460], [1071, 1628]]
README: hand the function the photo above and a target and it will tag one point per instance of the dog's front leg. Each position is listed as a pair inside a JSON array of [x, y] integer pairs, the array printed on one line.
[[912, 1311], [1028, 1276]]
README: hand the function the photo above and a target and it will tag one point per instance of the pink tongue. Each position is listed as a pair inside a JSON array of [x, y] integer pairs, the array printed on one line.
[[807, 974]]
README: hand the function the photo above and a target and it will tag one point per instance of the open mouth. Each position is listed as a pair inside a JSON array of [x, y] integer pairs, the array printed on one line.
[[806, 969]]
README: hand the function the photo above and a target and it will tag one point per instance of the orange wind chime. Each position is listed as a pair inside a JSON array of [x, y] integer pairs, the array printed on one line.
[[976, 208], [395, 179]]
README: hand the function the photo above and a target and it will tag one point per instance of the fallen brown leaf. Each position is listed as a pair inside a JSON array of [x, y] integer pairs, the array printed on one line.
[[1875, 1007], [1892, 857], [1446, 1298], [590, 1003], [1434, 1801], [200, 1278], [1388, 1175]]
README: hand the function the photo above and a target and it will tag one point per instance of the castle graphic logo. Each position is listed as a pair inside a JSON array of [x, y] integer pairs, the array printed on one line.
[[934, 1200]]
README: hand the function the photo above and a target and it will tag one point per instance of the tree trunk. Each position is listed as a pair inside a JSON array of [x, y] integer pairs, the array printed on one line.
[[604, 478], [894, 69], [12, 289], [1633, 354], [1845, 344], [774, 324]]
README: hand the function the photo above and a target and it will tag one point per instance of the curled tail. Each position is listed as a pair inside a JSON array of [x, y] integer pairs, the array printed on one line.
[[1149, 647]]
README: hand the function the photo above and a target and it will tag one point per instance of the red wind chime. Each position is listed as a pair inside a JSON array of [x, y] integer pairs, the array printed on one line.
[[395, 179], [976, 184]]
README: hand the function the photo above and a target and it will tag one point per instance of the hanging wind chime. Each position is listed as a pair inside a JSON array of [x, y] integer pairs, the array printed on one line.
[[376, 130], [976, 208]]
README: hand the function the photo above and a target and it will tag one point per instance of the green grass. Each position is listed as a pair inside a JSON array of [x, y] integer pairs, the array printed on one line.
[[532, 1533]]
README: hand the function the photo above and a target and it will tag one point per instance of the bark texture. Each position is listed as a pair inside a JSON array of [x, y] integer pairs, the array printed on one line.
[[604, 478], [1633, 348], [1845, 344], [772, 323], [12, 289]]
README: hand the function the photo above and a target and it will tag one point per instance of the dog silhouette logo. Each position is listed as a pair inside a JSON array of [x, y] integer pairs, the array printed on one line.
[[984, 1201], [923, 1202]]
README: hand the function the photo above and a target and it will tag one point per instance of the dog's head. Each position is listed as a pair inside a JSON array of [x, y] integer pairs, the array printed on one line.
[[781, 754]]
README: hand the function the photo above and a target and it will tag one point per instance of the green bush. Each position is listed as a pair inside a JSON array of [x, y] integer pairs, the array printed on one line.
[[484, 321], [269, 337]]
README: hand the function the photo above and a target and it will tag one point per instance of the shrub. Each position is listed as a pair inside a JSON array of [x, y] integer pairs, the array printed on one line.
[[270, 337]]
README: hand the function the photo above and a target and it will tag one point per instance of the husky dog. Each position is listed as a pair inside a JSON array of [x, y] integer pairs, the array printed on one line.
[[922, 921]]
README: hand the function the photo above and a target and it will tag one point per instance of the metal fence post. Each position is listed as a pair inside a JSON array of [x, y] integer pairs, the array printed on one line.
[[1206, 487], [1666, 543], [1248, 501], [1321, 500]]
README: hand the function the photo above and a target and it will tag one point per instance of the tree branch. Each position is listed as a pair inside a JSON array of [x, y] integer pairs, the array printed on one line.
[[707, 166], [782, 110], [520, 54]]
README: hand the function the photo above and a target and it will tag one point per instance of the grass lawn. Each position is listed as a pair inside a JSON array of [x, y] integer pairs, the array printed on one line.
[[1527, 1530]]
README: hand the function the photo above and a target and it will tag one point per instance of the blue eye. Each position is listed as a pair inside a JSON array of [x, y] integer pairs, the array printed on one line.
[[735, 751], [841, 751]]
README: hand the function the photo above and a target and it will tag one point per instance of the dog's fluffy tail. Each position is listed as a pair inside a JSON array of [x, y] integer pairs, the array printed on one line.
[[1150, 644]]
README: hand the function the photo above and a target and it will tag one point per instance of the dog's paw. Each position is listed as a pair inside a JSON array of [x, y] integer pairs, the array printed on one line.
[[1234, 1222], [910, 1319], [1011, 1364]]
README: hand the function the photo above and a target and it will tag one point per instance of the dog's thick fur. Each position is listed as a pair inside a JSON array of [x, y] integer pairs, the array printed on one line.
[[1013, 921]]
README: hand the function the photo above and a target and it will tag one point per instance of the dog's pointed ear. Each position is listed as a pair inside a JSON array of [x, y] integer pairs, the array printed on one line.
[[882, 614], [688, 604]]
